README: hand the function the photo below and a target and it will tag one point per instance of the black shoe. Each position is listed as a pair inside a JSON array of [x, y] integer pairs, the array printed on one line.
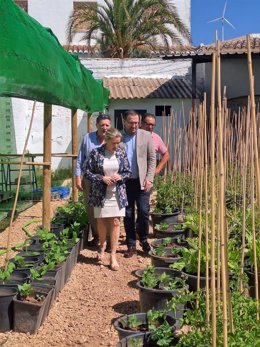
[[146, 247], [130, 252]]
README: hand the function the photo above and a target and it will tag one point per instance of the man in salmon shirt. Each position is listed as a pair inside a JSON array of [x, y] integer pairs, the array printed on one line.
[[148, 123]]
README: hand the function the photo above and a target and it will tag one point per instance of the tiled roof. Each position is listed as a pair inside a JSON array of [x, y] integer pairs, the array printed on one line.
[[237, 45], [142, 88]]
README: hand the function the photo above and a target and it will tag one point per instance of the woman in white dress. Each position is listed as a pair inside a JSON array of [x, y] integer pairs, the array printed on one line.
[[107, 169]]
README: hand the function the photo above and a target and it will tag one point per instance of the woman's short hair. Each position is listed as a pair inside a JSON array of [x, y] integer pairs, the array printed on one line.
[[112, 132]]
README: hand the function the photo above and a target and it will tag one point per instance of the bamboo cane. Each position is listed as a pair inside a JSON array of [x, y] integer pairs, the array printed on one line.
[[206, 207], [212, 180], [221, 204], [253, 115], [253, 228], [200, 136]]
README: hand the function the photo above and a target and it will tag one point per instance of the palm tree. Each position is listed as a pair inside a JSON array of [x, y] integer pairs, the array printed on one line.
[[124, 28]]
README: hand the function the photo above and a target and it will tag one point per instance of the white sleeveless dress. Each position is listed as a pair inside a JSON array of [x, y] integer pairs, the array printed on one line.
[[111, 207]]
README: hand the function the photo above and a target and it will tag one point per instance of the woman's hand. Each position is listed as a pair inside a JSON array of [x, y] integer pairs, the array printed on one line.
[[108, 180], [116, 178]]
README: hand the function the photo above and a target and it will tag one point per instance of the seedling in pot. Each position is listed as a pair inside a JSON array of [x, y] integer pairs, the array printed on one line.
[[162, 226], [27, 293], [149, 279]]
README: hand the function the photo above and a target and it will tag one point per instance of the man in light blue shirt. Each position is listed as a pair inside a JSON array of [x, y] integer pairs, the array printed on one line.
[[90, 141]]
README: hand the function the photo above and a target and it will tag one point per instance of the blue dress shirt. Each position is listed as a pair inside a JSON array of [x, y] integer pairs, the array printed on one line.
[[130, 148], [89, 142]]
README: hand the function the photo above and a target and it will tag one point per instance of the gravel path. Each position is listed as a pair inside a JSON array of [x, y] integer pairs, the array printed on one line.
[[92, 298]]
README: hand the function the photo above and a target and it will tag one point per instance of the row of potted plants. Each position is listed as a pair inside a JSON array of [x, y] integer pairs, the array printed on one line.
[[32, 280]]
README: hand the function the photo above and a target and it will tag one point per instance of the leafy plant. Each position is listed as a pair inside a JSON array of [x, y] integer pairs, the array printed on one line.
[[149, 279], [246, 326], [163, 281], [162, 226], [189, 258], [25, 290], [131, 322], [5, 274]]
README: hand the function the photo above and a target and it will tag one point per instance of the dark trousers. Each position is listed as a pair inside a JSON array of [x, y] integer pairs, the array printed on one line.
[[142, 199]]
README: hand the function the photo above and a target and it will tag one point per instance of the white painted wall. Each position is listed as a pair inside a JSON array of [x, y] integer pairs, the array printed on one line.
[[61, 129]]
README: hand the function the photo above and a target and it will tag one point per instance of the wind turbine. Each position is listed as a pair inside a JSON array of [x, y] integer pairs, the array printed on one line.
[[223, 20]]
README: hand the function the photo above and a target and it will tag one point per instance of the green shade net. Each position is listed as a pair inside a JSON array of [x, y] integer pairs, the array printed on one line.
[[33, 65]]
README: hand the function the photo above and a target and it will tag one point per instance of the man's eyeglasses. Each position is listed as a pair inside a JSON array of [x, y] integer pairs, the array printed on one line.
[[103, 116]]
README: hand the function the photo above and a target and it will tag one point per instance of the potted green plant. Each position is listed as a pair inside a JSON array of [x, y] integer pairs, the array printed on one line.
[[142, 322], [163, 230], [157, 286], [164, 256], [29, 308]]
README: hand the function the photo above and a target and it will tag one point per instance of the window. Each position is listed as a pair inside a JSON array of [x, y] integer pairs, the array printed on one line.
[[82, 7], [163, 111], [23, 4], [119, 117]]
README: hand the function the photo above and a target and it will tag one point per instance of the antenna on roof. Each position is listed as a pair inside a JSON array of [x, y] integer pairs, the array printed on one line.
[[223, 20]]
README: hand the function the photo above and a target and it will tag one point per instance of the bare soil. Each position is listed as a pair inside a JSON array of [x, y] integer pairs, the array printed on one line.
[[91, 300]]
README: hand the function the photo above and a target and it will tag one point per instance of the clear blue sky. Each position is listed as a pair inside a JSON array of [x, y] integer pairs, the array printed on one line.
[[243, 14]]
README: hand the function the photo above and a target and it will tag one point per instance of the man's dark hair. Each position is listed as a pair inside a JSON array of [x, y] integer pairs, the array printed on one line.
[[147, 115], [130, 113]]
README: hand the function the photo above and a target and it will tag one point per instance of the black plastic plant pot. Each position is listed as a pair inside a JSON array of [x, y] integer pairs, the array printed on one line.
[[7, 294], [123, 332], [19, 276], [251, 283], [140, 340], [49, 290], [171, 242], [164, 261], [56, 229], [150, 298], [28, 316], [160, 234], [49, 283], [157, 299], [191, 280], [158, 218], [142, 318]]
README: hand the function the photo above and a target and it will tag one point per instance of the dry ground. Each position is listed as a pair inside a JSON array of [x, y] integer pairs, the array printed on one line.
[[92, 298]]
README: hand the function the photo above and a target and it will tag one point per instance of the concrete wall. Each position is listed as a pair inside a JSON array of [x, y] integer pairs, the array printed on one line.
[[234, 75]]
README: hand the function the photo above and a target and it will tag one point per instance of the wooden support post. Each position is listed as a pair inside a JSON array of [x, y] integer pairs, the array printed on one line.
[[46, 206], [90, 128], [74, 140]]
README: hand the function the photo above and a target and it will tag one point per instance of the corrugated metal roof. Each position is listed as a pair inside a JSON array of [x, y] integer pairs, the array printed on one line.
[[237, 45], [147, 88]]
